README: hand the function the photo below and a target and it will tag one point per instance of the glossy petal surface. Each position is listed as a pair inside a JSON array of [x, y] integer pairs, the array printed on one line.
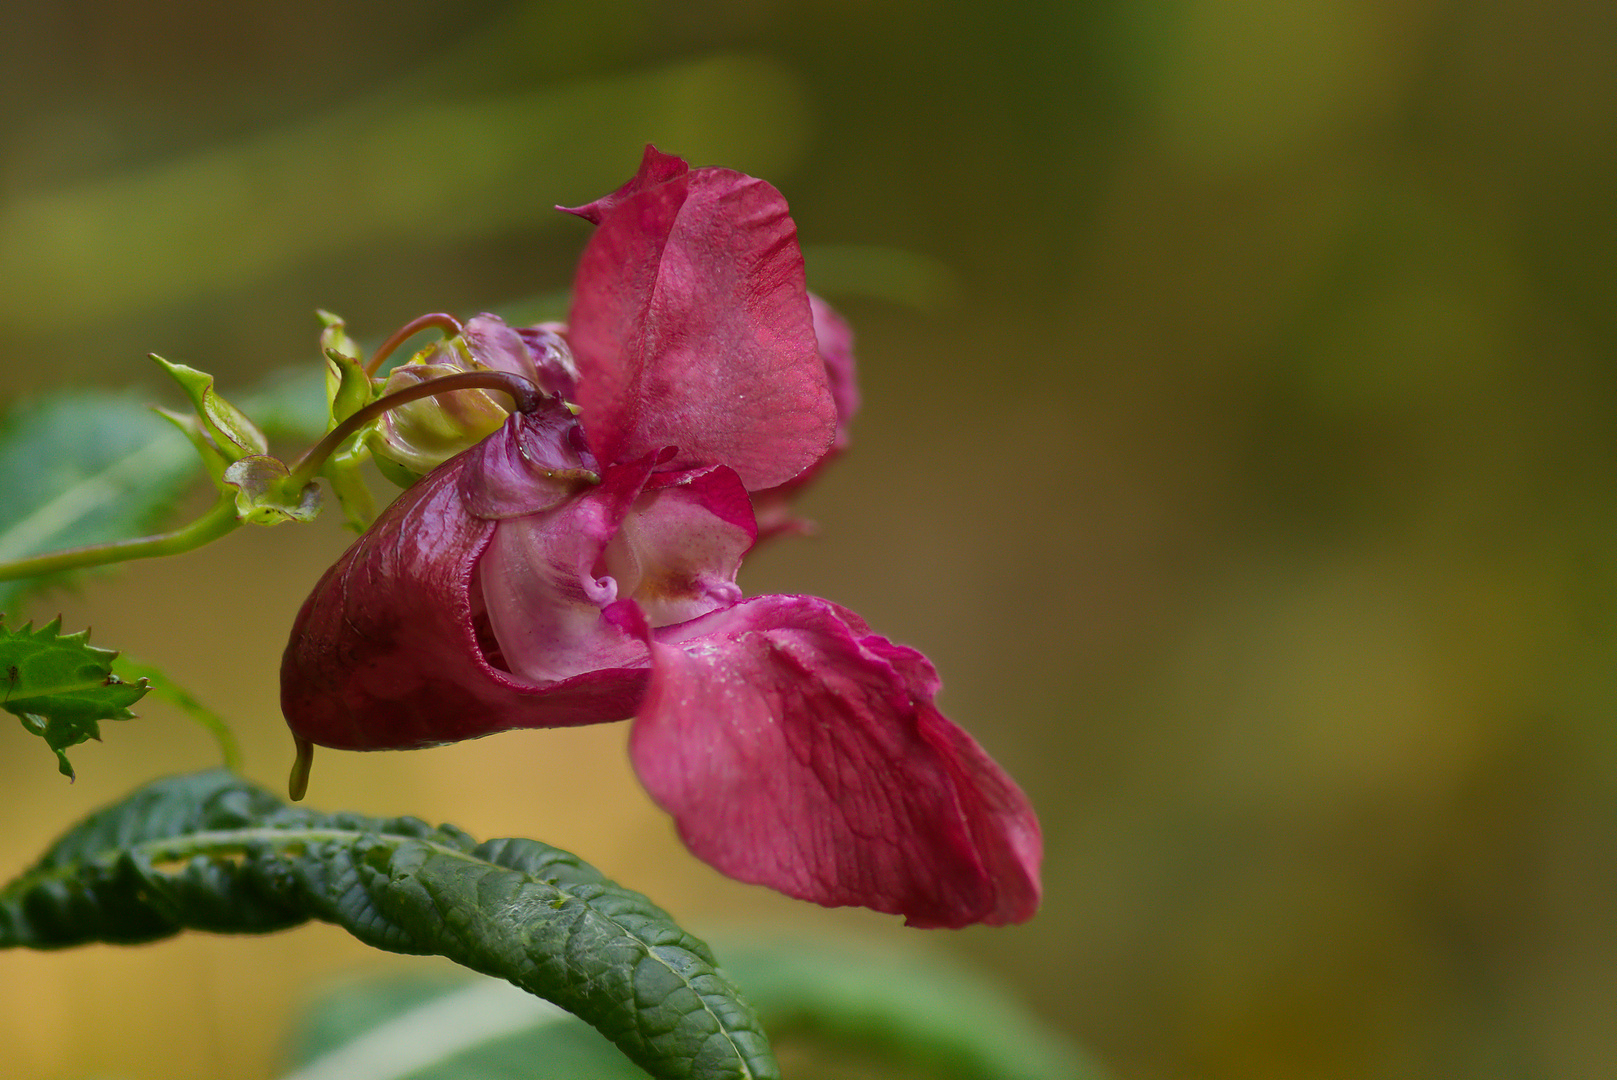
[[796, 750], [386, 652]]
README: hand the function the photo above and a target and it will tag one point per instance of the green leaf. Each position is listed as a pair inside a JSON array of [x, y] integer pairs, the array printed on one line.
[[869, 1011], [61, 687], [84, 468], [913, 1008], [447, 1028], [232, 432], [212, 852]]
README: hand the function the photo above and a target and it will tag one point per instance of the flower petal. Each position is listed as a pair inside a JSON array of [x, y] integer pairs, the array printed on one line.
[[655, 168], [795, 750], [835, 340], [543, 587], [672, 545], [387, 652], [686, 536], [691, 328]]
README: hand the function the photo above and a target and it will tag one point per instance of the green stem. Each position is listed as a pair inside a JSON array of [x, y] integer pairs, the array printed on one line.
[[523, 393], [218, 521]]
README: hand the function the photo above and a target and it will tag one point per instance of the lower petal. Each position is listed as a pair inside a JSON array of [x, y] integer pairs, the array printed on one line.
[[796, 751]]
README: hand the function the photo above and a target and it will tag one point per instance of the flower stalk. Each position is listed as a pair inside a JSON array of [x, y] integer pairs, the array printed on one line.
[[225, 517], [219, 520], [525, 398], [447, 323]]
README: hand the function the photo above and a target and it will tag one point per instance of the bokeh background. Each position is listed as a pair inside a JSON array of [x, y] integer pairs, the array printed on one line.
[[1238, 442]]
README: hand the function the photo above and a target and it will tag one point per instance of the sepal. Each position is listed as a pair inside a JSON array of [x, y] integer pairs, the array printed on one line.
[[348, 387], [233, 434], [265, 492]]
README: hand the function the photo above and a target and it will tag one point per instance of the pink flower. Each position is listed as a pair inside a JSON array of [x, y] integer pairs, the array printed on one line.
[[578, 569]]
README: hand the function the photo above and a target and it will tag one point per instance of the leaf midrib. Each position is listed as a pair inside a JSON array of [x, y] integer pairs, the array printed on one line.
[[239, 841]]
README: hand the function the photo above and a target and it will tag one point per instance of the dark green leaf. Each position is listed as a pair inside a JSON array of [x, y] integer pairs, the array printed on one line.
[[211, 852], [61, 687], [84, 468]]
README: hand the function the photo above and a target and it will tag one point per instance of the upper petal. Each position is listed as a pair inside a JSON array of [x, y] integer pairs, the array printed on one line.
[[795, 750], [691, 328], [655, 168]]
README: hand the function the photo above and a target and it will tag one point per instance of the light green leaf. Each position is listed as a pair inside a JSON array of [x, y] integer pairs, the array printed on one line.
[[212, 852], [447, 1028], [869, 1011], [61, 687], [84, 468], [914, 1008], [228, 427]]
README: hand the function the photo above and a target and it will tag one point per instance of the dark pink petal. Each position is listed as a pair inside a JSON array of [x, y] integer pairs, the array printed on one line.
[[533, 463], [387, 652], [553, 358], [495, 345], [795, 750], [543, 586], [691, 328], [834, 338], [835, 341], [656, 167], [538, 353], [681, 544]]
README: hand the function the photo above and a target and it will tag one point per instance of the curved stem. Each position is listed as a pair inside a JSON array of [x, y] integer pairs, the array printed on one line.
[[218, 521], [445, 322], [297, 785], [524, 395]]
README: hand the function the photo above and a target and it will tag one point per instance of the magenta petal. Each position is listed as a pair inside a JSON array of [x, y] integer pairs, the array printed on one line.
[[535, 462], [656, 167], [773, 507], [386, 652], [834, 337], [796, 751], [544, 590], [678, 550], [691, 328]]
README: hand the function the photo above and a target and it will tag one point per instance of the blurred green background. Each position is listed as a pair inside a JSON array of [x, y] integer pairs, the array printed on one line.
[[1238, 442]]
